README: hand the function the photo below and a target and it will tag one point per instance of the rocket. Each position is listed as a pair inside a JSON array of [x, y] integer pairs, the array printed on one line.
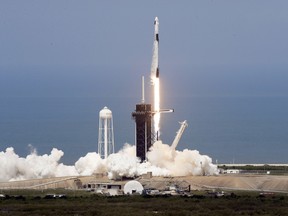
[[156, 27], [155, 81], [155, 63]]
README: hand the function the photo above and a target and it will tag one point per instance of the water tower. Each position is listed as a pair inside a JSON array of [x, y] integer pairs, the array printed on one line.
[[106, 134]]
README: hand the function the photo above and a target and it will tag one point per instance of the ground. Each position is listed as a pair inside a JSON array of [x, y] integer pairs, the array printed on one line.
[[201, 203]]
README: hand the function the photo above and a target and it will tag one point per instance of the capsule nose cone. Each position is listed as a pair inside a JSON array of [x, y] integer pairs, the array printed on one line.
[[156, 20]]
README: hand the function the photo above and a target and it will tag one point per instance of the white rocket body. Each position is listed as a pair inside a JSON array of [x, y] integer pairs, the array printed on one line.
[[155, 82], [155, 62]]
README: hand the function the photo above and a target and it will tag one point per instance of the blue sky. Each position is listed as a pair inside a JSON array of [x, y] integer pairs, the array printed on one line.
[[90, 48], [100, 49]]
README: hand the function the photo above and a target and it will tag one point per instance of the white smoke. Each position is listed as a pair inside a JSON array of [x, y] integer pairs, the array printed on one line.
[[91, 163], [181, 163], [163, 161], [13, 167]]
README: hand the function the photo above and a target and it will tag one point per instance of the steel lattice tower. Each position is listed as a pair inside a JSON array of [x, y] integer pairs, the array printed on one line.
[[142, 116]]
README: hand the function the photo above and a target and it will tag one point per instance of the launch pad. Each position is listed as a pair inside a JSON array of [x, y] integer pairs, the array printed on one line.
[[144, 138]]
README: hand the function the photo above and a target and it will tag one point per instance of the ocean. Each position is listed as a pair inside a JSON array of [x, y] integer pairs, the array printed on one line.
[[228, 129]]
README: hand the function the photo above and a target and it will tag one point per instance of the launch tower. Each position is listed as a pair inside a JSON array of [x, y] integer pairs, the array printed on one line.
[[142, 116]]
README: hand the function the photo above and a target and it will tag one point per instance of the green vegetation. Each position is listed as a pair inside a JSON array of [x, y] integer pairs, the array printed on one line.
[[84, 203]]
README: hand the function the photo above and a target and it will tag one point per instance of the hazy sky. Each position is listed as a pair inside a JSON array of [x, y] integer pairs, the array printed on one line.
[[92, 48]]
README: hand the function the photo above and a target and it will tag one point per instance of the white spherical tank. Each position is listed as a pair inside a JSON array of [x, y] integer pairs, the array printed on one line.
[[106, 134], [132, 187], [105, 113]]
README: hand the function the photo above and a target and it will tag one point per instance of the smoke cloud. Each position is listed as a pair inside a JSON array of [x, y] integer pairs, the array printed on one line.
[[163, 161]]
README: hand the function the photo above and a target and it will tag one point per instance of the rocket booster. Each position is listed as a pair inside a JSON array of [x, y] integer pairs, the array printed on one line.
[[155, 82], [156, 29], [155, 63]]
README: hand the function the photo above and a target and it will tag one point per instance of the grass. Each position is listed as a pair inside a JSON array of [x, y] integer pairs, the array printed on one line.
[[83, 203]]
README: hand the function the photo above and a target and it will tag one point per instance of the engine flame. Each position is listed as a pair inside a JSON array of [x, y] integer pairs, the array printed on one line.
[[156, 107]]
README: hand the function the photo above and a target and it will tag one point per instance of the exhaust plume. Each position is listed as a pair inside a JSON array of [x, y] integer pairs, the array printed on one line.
[[162, 161]]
